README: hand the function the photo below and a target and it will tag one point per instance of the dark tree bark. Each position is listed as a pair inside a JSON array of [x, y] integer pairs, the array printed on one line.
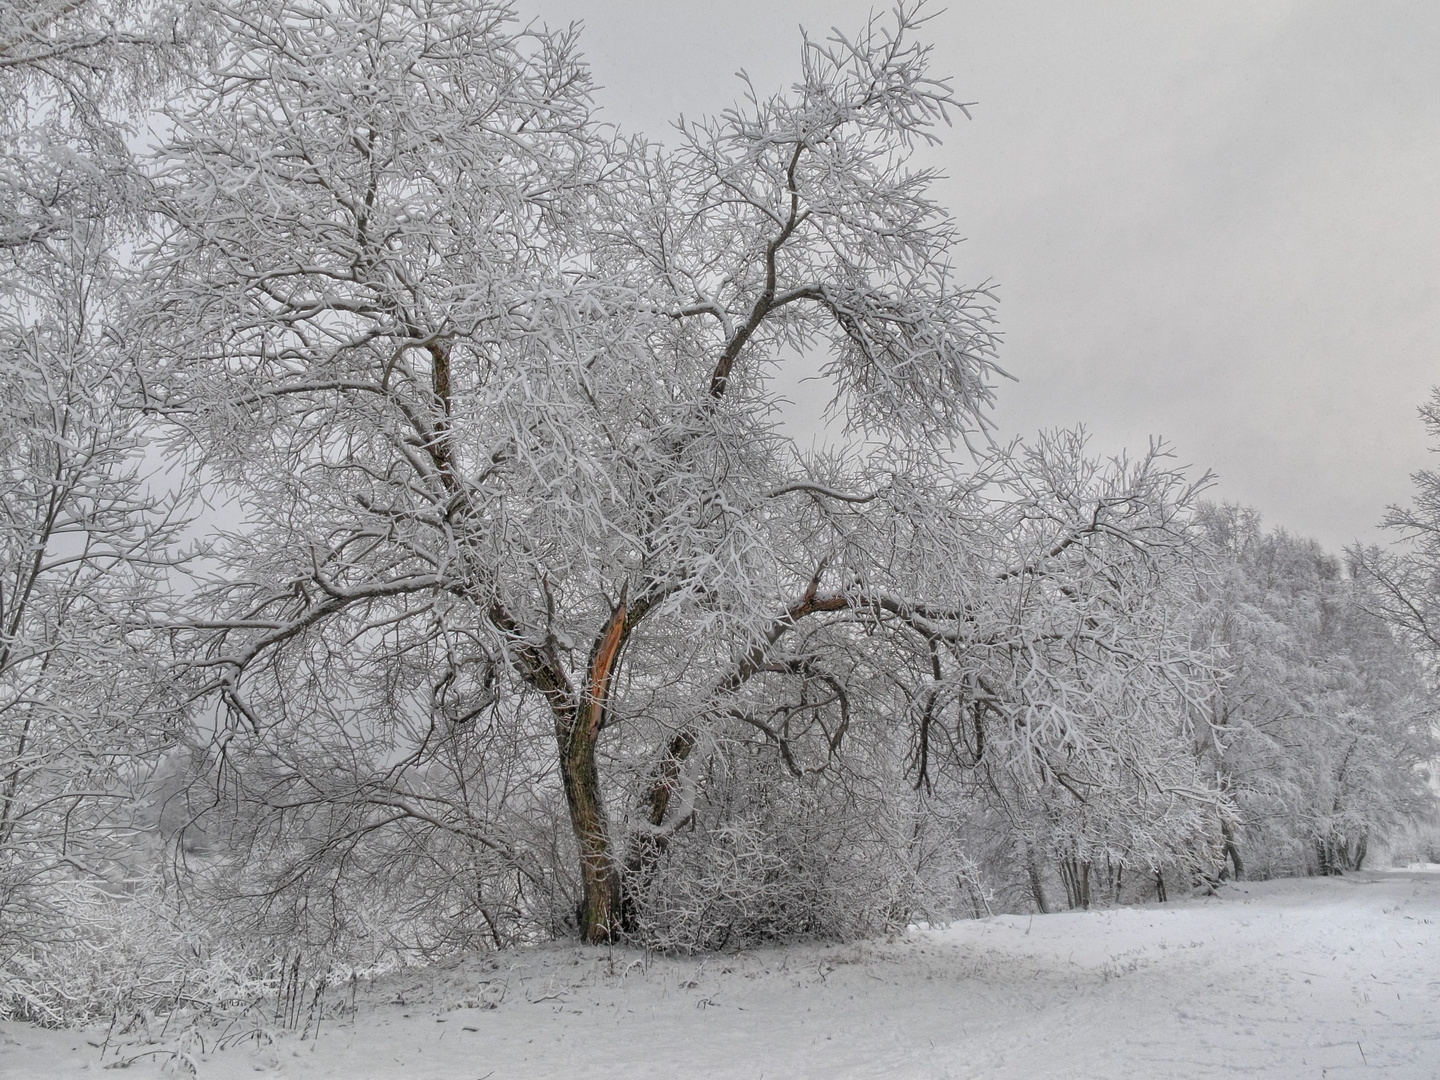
[[1037, 884], [577, 730], [1232, 850], [1075, 875]]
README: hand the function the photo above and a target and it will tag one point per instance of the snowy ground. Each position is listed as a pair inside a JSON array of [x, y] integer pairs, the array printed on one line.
[[1307, 978]]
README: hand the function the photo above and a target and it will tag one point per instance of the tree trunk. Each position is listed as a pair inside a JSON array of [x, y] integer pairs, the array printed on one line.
[[599, 910], [577, 731], [1325, 857], [1075, 875], [1232, 850], [647, 845], [1037, 884]]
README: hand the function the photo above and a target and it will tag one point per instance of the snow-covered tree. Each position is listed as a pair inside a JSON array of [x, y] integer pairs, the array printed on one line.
[[86, 540], [1404, 585], [1321, 722], [520, 537]]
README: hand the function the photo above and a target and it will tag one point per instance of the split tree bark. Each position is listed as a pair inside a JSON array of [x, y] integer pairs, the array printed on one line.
[[577, 730]]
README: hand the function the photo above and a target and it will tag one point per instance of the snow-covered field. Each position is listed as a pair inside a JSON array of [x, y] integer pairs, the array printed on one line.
[[1306, 978]]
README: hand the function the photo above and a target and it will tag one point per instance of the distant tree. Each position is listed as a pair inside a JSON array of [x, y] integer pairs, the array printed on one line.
[[1322, 722], [1404, 585]]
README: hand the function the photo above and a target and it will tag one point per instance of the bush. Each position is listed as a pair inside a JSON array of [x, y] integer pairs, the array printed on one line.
[[126, 956]]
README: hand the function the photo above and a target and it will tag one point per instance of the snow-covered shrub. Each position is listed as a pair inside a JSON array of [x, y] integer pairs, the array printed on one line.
[[126, 955], [771, 857]]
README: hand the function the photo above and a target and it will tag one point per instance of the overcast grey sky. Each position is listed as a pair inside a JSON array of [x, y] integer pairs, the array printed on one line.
[[1215, 221]]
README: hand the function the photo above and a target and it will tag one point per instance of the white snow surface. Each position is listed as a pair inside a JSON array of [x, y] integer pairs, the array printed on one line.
[[1309, 978]]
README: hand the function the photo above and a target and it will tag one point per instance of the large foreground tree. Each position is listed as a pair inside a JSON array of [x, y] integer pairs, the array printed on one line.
[[491, 388]]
